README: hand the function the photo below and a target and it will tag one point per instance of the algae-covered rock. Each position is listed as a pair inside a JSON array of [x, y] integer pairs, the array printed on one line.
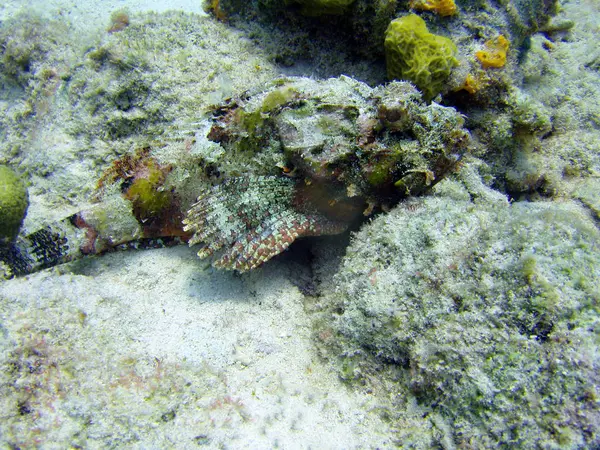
[[26, 46], [541, 139], [13, 203], [160, 70], [104, 94], [529, 16], [483, 312]]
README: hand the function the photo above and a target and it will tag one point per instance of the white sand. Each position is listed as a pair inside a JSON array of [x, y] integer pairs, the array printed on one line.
[[251, 331]]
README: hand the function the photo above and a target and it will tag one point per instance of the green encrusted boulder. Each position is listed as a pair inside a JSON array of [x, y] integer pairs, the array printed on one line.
[[483, 312], [13, 203]]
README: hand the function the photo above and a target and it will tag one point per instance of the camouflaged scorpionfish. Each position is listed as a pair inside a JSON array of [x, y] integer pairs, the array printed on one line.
[[302, 158]]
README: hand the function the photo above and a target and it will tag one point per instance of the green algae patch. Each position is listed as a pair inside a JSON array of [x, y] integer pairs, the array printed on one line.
[[278, 98], [146, 192], [253, 121], [13, 203]]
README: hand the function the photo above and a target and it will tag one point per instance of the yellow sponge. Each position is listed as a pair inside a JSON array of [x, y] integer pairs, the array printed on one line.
[[414, 54]]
